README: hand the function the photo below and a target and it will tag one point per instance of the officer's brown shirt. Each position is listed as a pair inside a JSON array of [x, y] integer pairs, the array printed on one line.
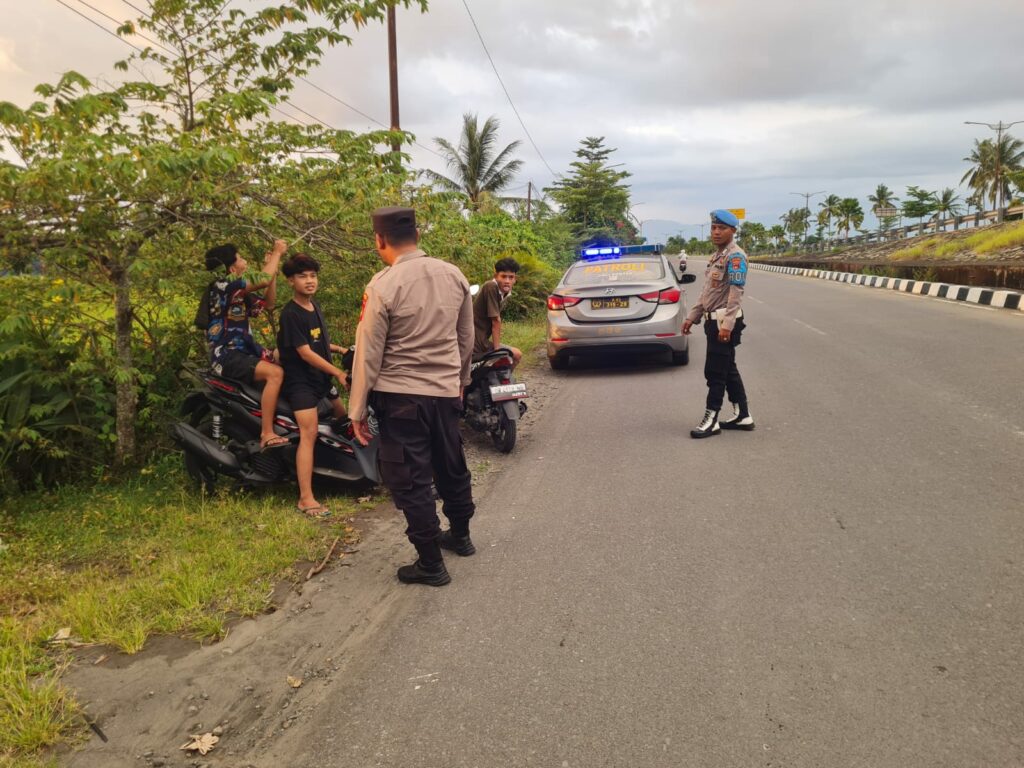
[[718, 292], [415, 335]]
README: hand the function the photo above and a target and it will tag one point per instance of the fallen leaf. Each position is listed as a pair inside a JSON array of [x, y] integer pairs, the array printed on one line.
[[61, 635], [364, 499], [100, 660], [201, 744], [294, 682]]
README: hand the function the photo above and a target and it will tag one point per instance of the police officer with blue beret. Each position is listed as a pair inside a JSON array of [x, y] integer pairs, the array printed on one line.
[[719, 308]]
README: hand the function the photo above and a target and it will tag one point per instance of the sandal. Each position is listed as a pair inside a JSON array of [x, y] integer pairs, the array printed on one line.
[[277, 441], [317, 511]]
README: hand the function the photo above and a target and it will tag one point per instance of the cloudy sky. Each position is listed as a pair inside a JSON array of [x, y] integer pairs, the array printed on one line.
[[731, 103]]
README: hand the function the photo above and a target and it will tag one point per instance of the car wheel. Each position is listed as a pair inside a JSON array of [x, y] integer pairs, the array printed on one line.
[[559, 363], [681, 358]]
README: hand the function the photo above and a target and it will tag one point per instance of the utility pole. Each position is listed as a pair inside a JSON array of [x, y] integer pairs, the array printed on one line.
[[393, 69], [529, 199], [998, 128], [807, 207]]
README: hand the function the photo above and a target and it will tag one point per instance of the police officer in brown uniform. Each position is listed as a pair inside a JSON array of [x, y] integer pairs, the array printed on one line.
[[719, 308], [414, 347]]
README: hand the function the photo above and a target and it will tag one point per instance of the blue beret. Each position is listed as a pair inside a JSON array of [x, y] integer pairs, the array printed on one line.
[[722, 216]]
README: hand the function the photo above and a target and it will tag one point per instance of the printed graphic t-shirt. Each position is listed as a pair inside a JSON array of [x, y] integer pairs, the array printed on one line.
[[229, 307], [300, 327]]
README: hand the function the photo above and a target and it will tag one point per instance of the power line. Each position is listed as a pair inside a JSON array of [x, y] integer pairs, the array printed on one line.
[[507, 96]]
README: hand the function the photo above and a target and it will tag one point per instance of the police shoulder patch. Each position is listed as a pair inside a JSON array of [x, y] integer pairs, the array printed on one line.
[[737, 269]]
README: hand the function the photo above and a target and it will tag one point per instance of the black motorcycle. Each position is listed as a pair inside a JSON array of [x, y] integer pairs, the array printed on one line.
[[493, 401], [220, 435]]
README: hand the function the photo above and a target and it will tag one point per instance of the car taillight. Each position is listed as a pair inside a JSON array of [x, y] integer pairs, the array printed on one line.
[[667, 296], [556, 302], [503, 362]]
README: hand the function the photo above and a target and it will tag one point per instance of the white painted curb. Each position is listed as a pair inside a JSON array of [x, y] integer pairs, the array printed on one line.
[[988, 297]]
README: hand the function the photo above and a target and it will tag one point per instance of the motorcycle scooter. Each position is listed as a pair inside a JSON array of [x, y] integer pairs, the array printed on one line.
[[493, 401], [220, 436]]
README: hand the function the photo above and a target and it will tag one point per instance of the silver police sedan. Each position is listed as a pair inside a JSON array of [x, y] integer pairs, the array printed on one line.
[[618, 299]]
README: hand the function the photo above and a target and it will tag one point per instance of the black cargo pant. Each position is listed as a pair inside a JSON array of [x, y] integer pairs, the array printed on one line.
[[420, 442], [720, 365]]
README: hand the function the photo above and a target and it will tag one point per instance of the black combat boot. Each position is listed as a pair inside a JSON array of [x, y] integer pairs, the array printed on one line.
[[460, 545], [741, 418], [428, 568], [708, 426]]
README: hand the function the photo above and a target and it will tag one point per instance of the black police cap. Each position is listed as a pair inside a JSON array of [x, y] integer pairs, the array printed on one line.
[[394, 220]]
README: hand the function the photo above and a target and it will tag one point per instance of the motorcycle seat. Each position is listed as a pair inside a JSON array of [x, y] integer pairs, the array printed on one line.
[[324, 409]]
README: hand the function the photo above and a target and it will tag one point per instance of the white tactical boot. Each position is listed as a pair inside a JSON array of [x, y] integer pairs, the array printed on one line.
[[741, 419], [708, 425]]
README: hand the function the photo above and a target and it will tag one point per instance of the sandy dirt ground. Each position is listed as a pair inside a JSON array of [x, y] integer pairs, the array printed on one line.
[[146, 706]]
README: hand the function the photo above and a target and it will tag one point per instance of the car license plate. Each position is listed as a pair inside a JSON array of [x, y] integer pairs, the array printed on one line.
[[504, 392], [615, 303]]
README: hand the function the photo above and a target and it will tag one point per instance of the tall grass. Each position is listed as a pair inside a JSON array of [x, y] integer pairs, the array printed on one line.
[[116, 564]]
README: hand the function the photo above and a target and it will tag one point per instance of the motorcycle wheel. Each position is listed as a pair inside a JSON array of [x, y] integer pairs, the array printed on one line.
[[504, 436]]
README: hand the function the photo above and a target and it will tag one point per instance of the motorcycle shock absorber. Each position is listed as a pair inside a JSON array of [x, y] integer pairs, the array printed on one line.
[[217, 426]]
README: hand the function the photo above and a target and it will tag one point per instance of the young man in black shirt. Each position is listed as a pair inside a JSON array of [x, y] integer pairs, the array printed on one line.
[[487, 310], [305, 350]]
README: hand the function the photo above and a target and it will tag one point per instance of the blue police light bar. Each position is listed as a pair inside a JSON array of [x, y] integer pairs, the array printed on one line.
[[601, 251]]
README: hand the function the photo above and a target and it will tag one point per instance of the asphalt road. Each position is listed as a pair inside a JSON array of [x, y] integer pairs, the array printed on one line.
[[840, 587]]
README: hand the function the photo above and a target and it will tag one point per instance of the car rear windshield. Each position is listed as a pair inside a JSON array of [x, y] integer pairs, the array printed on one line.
[[603, 272]]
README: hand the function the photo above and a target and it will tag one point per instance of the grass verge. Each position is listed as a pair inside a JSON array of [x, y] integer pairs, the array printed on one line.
[[527, 334], [115, 564]]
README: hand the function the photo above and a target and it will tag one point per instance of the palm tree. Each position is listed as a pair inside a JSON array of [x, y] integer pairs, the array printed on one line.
[[795, 221], [777, 233], [477, 170], [947, 204], [851, 215], [990, 164], [883, 198], [829, 209]]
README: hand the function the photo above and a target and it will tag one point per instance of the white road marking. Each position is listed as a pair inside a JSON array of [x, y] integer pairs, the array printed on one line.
[[805, 325], [753, 299]]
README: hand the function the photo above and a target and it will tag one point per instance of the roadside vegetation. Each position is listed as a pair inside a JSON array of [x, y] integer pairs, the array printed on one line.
[[109, 196]]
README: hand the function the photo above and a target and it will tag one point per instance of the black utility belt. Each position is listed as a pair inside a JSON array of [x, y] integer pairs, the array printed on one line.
[[719, 314]]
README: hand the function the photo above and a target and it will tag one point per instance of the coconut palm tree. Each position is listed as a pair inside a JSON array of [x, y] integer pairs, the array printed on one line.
[[851, 215], [883, 198], [991, 162], [828, 210], [778, 234], [795, 221], [947, 203], [477, 169]]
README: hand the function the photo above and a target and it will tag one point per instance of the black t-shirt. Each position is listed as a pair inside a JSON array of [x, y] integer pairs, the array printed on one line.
[[301, 327]]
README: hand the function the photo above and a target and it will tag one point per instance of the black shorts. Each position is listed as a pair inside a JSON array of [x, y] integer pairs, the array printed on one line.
[[302, 396], [237, 365]]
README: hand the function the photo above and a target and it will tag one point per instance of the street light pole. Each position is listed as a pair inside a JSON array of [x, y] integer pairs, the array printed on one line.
[[807, 207], [998, 128]]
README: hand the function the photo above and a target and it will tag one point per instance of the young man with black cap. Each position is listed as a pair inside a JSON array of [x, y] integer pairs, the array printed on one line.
[[224, 314], [414, 346], [305, 349], [719, 308]]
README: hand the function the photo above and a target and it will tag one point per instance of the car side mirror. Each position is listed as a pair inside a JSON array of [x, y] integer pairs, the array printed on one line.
[[687, 278]]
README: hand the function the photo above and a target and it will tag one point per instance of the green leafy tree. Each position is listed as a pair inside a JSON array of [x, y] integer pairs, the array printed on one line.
[[919, 204], [478, 169], [592, 197], [778, 234], [992, 164], [110, 187]]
